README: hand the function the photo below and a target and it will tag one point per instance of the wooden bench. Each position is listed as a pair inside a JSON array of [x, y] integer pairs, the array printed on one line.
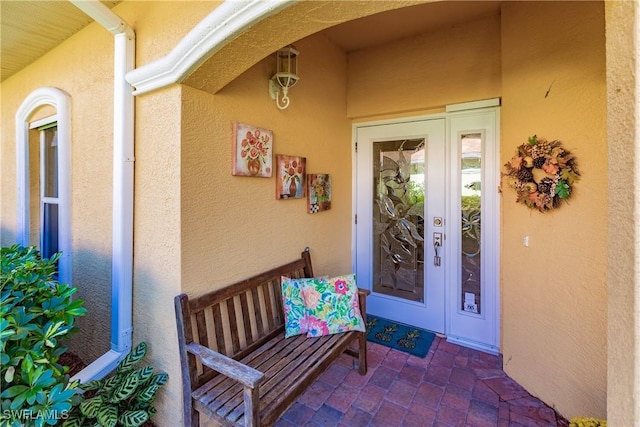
[[237, 367]]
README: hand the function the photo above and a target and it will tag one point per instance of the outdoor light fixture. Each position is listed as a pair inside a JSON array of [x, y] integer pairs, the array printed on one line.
[[285, 77]]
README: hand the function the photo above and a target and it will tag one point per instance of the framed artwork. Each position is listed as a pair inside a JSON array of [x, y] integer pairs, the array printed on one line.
[[252, 151], [318, 192], [290, 177]]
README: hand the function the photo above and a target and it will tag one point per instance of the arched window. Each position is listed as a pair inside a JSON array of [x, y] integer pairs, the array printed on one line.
[[43, 163]]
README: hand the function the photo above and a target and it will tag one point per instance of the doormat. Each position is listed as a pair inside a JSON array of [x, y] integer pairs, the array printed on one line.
[[396, 335]]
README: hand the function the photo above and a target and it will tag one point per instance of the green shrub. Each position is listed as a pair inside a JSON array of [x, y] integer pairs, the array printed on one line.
[[36, 313], [470, 202], [122, 399]]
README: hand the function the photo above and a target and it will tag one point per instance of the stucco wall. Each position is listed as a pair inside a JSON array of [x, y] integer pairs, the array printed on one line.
[[623, 339], [90, 55], [426, 72], [233, 226], [554, 292], [157, 253]]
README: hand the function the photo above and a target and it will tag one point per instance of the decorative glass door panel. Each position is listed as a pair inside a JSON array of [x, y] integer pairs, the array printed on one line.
[[471, 191], [398, 218], [400, 191]]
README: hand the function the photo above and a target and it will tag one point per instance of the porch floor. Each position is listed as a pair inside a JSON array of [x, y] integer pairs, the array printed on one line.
[[451, 386]]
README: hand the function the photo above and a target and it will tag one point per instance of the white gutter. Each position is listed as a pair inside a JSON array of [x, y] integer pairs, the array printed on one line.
[[123, 150]]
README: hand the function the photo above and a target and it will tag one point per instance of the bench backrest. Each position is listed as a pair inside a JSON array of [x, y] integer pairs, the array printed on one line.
[[237, 318]]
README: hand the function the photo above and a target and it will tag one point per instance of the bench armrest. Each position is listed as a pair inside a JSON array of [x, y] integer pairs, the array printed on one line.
[[227, 366]]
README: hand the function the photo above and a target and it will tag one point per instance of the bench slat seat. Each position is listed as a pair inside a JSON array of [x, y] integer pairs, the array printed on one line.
[[290, 365], [238, 368]]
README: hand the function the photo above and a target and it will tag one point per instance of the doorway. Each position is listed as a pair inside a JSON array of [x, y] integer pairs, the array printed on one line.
[[427, 222]]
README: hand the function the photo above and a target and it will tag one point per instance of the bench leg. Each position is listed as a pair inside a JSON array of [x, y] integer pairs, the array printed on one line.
[[362, 353], [251, 407], [195, 418]]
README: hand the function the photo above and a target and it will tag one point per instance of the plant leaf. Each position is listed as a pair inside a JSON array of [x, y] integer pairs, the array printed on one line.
[[90, 407], [148, 393], [562, 189], [133, 418], [108, 416], [144, 373], [126, 387], [160, 379], [91, 385], [132, 358], [14, 391]]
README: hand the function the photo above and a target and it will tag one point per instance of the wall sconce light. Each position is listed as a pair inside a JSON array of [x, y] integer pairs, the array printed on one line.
[[285, 77]]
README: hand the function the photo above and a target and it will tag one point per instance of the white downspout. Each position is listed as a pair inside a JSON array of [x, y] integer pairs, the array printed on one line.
[[123, 158]]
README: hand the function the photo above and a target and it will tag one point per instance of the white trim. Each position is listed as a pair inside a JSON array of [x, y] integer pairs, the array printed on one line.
[[473, 105], [61, 101], [43, 122], [226, 22]]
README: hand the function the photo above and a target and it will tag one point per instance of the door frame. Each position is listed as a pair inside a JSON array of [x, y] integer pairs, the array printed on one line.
[[493, 210]]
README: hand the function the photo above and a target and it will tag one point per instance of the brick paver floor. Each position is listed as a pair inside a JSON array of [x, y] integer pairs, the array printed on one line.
[[451, 386]]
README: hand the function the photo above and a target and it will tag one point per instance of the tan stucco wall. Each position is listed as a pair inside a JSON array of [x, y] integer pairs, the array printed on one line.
[[623, 380], [426, 72], [91, 131], [157, 254], [554, 292], [233, 226]]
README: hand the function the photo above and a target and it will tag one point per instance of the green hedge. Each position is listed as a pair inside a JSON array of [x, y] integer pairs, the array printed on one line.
[[37, 313]]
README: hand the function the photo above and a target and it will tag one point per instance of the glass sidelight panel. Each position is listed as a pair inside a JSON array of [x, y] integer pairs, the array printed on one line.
[[471, 181], [398, 218]]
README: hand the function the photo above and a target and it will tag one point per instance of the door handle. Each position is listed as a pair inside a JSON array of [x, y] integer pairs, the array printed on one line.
[[437, 244]]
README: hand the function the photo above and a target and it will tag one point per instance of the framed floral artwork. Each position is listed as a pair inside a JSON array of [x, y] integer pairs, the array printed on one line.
[[290, 177], [252, 151], [318, 192]]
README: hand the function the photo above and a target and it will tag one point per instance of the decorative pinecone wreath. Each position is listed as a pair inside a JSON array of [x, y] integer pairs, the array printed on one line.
[[542, 173]]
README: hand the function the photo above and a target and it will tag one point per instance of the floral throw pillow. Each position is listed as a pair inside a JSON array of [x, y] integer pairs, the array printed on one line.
[[332, 306], [294, 309]]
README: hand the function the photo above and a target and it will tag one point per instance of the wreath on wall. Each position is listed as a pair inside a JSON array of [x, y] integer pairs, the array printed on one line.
[[542, 173]]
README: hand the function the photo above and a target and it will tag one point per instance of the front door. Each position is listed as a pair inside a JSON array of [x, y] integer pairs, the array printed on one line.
[[427, 222], [400, 207]]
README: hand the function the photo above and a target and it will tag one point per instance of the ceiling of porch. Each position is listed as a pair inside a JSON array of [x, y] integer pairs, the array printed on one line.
[[30, 29]]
